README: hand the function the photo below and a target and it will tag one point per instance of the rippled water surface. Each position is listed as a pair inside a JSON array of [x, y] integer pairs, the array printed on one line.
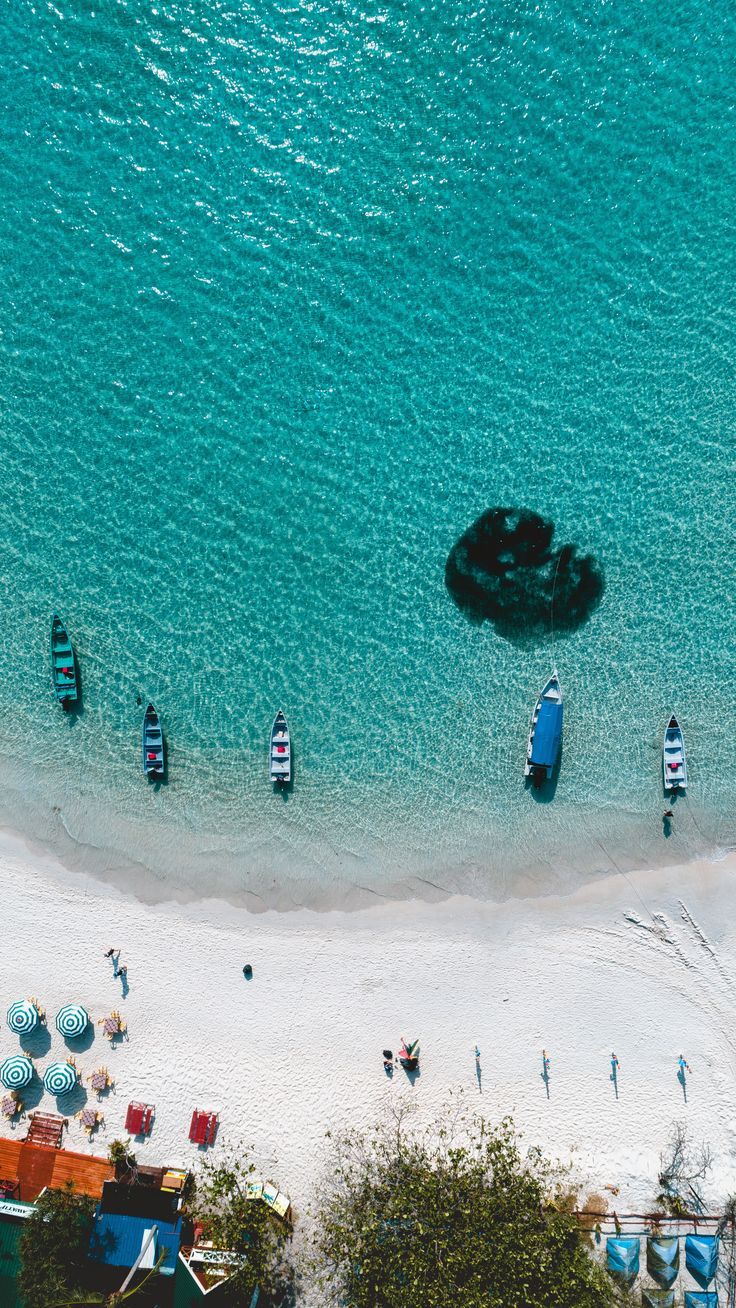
[[290, 296]]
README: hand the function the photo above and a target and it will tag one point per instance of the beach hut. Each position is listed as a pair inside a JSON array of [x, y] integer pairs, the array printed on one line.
[[60, 1078], [622, 1256], [657, 1298], [701, 1258], [663, 1259], [16, 1072], [72, 1021], [22, 1017]]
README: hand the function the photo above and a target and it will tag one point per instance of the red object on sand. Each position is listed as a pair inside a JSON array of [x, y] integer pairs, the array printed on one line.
[[139, 1118], [203, 1128]]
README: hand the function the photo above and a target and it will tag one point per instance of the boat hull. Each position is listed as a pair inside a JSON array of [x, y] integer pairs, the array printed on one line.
[[154, 756], [545, 733], [280, 751], [63, 665], [674, 760]]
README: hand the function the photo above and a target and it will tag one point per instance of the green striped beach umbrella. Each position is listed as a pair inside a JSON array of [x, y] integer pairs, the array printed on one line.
[[72, 1020], [22, 1017], [59, 1078], [16, 1072]]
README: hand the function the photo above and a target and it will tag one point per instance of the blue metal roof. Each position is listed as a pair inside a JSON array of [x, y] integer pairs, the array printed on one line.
[[117, 1238], [547, 734]]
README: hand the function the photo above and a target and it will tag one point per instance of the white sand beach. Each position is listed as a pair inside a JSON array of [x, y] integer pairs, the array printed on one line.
[[642, 965]]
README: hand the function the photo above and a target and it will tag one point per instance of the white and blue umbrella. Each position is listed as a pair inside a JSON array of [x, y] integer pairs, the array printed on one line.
[[16, 1072], [72, 1020], [22, 1017], [59, 1078]]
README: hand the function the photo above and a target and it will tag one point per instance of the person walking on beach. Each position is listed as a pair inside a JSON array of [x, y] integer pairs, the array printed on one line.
[[683, 1067], [114, 954]]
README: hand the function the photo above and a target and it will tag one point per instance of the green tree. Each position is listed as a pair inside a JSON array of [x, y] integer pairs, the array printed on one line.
[[453, 1216], [53, 1248], [245, 1227]]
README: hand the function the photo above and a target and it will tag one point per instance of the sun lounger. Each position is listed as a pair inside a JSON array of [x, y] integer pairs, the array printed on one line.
[[280, 1202]]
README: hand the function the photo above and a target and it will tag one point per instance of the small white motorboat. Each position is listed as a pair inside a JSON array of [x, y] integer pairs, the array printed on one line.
[[674, 763], [280, 763], [545, 733]]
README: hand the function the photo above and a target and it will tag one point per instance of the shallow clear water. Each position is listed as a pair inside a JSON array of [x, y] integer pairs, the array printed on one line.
[[290, 295]]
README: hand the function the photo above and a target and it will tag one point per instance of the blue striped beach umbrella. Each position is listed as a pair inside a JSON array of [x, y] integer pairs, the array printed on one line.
[[22, 1017], [59, 1078], [72, 1020], [16, 1072]]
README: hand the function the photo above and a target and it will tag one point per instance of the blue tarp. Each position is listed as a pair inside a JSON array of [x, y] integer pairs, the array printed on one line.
[[663, 1258], [701, 1299], [623, 1256], [547, 734], [117, 1238], [701, 1258]]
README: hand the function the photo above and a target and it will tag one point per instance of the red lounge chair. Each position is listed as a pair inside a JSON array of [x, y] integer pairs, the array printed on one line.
[[139, 1119], [203, 1128]]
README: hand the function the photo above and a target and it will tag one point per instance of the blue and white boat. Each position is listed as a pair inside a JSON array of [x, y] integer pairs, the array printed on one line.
[[280, 755], [153, 745], [545, 733], [674, 763]]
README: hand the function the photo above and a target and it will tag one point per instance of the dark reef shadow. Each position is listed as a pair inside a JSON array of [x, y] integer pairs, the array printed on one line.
[[504, 570]]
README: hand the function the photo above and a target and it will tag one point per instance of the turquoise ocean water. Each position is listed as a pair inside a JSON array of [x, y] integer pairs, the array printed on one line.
[[289, 295]]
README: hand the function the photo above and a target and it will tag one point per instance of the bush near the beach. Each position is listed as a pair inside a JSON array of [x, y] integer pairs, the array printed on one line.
[[239, 1225], [455, 1215], [53, 1249]]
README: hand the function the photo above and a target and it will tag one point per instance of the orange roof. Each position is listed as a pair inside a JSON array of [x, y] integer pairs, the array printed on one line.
[[37, 1166]]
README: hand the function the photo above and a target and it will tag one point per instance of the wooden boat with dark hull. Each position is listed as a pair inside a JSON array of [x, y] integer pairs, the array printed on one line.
[[63, 665], [154, 763]]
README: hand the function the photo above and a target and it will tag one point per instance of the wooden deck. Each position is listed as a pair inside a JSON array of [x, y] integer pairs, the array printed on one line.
[[37, 1166]]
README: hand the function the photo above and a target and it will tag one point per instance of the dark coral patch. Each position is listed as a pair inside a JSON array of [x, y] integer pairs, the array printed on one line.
[[504, 570]]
